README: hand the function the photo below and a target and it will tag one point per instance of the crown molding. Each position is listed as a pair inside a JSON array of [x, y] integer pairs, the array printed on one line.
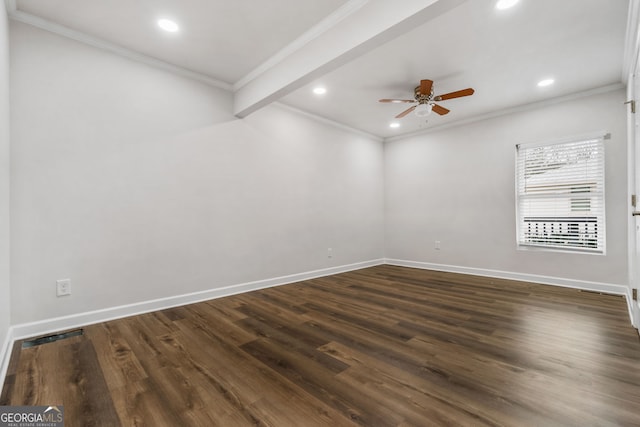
[[81, 37], [520, 108], [329, 122], [320, 28]]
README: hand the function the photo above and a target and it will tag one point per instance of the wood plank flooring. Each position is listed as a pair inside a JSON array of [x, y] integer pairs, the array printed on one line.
[[383, 346]]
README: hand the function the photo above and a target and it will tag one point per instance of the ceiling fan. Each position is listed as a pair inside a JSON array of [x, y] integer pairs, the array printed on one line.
[[426, 102]]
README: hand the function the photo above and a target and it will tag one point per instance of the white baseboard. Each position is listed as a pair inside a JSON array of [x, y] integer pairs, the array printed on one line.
[[607, 288], [43, 327], [5, 356], [27, 330], [632, 313]]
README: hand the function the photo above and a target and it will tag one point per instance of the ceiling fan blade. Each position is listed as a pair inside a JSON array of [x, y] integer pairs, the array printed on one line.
[[425, 87], [456, 94], [397, 101], [440, 110], [405, 112]]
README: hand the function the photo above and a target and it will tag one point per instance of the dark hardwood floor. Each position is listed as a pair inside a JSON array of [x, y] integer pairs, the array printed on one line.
[[383, 346]]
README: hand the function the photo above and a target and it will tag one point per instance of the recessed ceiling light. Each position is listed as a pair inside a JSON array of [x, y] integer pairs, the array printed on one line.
[[545, 82], [319, 90], [168, 25], [394, 125], [505, 4]]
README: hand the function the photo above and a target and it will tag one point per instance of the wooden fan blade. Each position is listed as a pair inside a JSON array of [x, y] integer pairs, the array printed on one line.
[[405, 112], [425, 87], [439, 110], [397, 101], [456, 94]]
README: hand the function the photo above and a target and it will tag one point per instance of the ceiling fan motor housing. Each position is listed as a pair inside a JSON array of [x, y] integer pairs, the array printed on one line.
[[422, 98]]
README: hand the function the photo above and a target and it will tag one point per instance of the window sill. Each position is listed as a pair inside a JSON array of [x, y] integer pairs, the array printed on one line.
[[537, 248]]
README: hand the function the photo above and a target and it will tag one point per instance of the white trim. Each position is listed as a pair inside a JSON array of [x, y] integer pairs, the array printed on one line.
[[311, 34], [631, 40], [5, 348], [329, 122], [81, 37], [630, 76], [5, 356], [27, 330], [632, 263], [584, 136], [595, 172], [520, 108], [42, 327], [630, 303], [607, 288]]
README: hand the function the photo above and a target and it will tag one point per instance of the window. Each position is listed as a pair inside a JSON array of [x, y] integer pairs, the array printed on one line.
[[560, 195]]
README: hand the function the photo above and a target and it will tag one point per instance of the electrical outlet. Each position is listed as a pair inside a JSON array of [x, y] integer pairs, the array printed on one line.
[[436, 245], [63, 287], [329, 252]]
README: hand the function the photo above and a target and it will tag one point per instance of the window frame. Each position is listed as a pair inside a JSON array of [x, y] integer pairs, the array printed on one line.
[[600, 239]]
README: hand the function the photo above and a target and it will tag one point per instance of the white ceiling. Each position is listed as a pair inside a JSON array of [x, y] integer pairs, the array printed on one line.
[[501, 54], [219, 38]]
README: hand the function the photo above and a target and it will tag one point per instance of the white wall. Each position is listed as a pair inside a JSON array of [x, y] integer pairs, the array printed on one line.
[[457, 186], [4, 177], [138, 184]]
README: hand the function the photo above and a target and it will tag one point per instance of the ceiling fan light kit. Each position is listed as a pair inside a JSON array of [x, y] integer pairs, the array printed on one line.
[[425, 101], [423, 110]]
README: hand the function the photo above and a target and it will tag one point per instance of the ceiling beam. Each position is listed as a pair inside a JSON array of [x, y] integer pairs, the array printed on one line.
[[366, 27]]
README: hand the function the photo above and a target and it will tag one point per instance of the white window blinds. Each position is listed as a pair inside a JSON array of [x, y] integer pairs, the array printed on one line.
[[560, 195]]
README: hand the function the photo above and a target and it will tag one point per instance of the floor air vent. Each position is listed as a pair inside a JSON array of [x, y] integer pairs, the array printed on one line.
[[52, 338]]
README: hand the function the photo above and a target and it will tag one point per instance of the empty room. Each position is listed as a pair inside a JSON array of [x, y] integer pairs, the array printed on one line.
[[319, 213]]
